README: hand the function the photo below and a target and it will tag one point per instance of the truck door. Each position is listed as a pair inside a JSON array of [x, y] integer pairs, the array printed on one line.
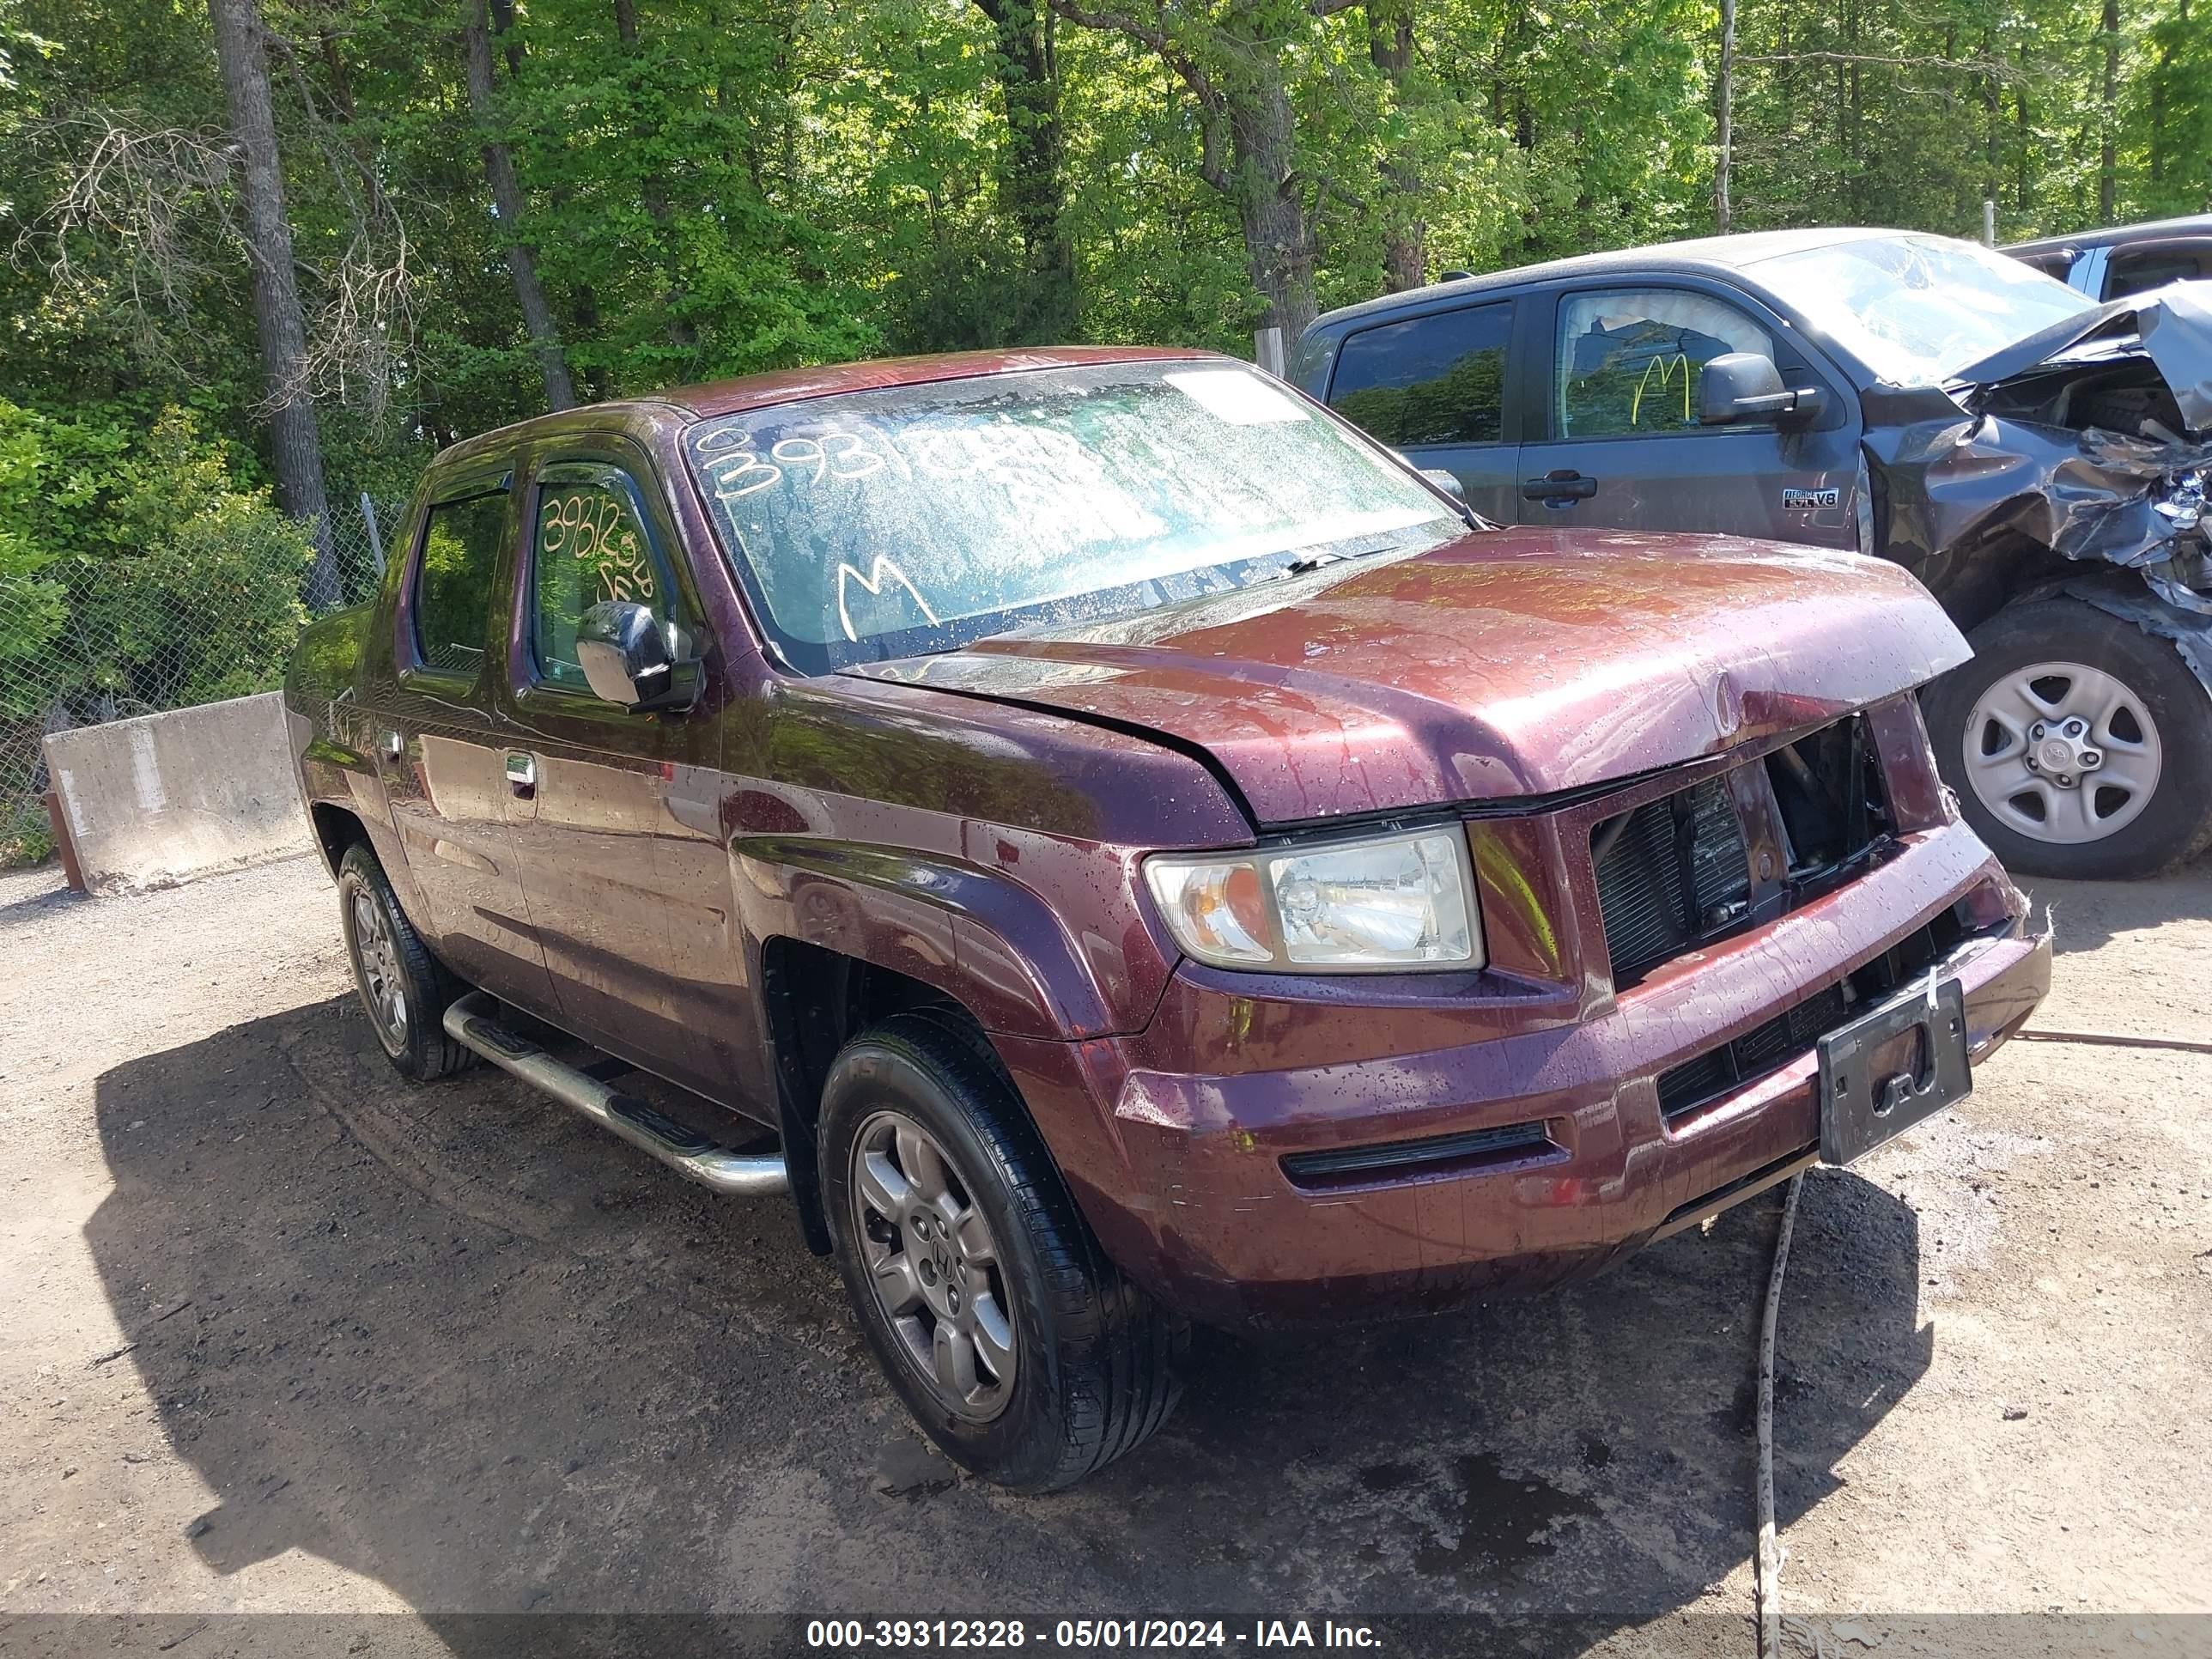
[[1613, 436], [437, 741], [616, 813], [1433, 387]]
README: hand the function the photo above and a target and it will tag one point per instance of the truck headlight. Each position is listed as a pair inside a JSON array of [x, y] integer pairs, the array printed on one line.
[[1404, 901]]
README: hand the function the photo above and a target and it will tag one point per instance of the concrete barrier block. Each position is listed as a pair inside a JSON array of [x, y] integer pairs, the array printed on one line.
[[157, 800]]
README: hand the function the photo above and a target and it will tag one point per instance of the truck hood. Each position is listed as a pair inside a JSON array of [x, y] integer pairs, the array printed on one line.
[[1509, 663]]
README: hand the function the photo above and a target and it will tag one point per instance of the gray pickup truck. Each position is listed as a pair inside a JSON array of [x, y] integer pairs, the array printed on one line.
[[2038, 460]]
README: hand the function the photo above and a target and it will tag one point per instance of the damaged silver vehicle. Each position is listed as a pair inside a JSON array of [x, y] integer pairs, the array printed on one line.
[[2040, 461]]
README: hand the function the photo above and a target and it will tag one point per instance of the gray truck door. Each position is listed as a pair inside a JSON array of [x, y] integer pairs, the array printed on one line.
[[1615, 403], [1433, 388]]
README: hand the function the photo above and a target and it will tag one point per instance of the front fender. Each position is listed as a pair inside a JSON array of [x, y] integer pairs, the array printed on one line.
[[988, 942]]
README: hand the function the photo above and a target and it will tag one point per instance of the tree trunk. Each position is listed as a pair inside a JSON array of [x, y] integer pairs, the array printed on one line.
[[1856, 116], [1031, 182], [1992, 123], [1238, 79], [506, 198], [1278, 237], [1404, 234], [295, 440], [654, 192], [2107, 171], [1724, 117]]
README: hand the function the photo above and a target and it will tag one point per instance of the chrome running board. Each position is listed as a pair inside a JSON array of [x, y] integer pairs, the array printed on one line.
[[473, 1021]]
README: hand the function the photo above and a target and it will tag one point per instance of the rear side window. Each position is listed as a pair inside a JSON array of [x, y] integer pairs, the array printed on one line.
[[1628, 360], [1434, 380], [2139, 273], [452, 582], [588, 548]]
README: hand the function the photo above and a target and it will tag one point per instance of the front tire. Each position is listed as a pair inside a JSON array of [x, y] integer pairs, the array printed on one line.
[[2079, 746], [1017, 1346], [403, 990]]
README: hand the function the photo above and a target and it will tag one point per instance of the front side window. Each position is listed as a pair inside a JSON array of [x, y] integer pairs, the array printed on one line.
[[451, 602], [874, 525], [1433, 380], [1628, 360], [588, 547]]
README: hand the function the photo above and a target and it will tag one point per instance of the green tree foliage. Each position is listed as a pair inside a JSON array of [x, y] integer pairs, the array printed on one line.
[[153, 580]]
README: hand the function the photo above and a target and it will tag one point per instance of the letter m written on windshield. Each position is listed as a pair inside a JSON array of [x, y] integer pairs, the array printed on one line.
[[883, 574]]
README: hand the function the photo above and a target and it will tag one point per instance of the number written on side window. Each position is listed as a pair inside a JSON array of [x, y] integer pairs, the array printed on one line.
[[589, 548], [453, 583], [1628, 361], [1434, 380]]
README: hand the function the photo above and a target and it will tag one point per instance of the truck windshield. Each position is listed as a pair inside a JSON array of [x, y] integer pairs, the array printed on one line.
[[874, 525], [1917, 309]]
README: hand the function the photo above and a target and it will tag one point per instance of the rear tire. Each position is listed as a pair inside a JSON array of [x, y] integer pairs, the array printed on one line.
[[1018, 1347], [2145, 722], [404, 991]]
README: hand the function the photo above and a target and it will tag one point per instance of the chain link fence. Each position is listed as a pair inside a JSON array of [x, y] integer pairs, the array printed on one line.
[[177, 632]]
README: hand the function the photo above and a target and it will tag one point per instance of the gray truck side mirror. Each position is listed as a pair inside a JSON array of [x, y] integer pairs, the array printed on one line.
[[1745, 386]]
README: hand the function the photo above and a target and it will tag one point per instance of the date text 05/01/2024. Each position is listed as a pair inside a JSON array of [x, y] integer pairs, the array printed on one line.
[[1085, 1634]]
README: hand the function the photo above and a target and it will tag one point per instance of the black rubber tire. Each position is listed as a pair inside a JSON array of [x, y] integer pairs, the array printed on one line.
[[427, 1053], [2176, 825], [1100, 1360]]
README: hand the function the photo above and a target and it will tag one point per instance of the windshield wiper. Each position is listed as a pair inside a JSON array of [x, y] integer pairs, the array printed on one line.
[[1306, 563]]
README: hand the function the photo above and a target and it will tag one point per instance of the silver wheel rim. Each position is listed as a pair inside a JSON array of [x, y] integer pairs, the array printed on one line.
[[934, 1265], [2062, 752], [376, 960]]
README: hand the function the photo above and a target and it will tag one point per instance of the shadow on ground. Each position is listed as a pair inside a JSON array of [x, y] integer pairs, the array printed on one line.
[[2087, 913], [460, 1342]]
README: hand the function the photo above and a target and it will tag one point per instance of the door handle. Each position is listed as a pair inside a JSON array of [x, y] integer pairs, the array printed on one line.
[[1561, 484], [522, 775]]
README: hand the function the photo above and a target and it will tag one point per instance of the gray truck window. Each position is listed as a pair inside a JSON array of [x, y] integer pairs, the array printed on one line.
[[452, 600], [1433, 380], [588, 547], [2139, 272], [1628, 358]]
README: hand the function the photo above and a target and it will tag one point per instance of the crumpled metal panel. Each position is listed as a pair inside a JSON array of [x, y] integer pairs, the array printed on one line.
[[2083, 494], [1953, 478], [2176, 326]]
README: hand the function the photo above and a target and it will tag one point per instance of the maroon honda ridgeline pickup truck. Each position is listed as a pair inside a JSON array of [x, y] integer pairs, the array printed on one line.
[[1134, 852]]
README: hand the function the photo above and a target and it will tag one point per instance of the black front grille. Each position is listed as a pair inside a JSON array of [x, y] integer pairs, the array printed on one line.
[[1672, 872], [1768, 1047]]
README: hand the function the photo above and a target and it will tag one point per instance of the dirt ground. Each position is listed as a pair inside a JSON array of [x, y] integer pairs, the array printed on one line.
[[284, 1334]]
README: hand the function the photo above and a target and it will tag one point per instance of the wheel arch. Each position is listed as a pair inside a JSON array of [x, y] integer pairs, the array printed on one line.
[[816, 999], [337, 827]]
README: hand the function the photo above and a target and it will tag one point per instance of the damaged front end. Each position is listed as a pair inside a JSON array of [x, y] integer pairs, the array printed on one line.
[[2087, 443]]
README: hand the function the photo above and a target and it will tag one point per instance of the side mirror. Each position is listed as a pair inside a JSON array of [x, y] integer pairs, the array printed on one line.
[[1743, 385], [631, 660], [1447, 482]]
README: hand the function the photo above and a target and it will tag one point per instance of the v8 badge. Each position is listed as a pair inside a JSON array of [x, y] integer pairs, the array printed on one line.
[[1800, 501]]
